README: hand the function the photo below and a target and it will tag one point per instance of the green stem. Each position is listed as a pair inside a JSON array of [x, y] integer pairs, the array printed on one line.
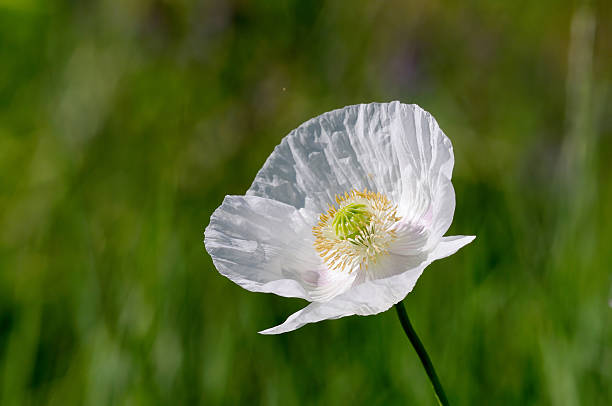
[[420, 349]]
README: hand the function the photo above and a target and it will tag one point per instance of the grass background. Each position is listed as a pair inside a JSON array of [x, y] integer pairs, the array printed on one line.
[[124, 123]]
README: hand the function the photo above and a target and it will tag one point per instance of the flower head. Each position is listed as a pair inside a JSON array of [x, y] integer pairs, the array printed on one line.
[[346, 213]]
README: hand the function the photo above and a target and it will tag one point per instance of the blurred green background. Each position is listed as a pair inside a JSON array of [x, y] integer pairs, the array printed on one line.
[[124, 123]]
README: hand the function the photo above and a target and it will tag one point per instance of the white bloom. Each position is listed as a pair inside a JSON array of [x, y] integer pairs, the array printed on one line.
[[346, 213]]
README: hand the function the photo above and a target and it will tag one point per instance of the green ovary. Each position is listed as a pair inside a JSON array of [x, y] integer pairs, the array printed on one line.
[[350, 220]]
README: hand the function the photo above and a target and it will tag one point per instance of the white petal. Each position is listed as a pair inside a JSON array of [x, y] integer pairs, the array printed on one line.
[[443, 210], [326, 284], [310, 314], [373, 296], [449, 245], [384, 147], [267, 246], [411, 238]]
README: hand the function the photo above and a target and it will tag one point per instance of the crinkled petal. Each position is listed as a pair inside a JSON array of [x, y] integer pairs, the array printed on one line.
[[267, 246], [373, 296], [443, 210], [384, 147]]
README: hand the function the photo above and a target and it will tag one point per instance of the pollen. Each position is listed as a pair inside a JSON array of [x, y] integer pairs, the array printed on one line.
[[355, 231]]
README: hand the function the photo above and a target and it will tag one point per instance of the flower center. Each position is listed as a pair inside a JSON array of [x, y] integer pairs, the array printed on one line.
[[351, 220], [356, 231]]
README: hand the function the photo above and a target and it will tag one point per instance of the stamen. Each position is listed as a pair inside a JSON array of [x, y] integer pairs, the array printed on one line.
[[357, 232]]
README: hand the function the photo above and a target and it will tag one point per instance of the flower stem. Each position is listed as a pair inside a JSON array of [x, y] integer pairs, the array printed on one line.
[[420, 349]]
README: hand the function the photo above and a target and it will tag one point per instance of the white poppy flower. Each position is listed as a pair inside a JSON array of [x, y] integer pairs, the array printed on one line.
[[346, 213]]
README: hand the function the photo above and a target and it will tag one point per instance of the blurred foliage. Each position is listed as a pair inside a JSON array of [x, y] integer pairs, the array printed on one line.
[[124, 123]]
